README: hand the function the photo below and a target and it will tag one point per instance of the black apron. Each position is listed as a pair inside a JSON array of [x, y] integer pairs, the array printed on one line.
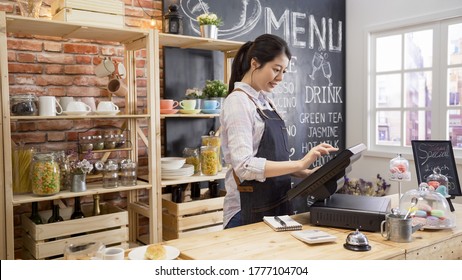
[[268, 198]]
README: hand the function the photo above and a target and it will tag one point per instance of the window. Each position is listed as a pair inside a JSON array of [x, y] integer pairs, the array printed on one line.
[[415, 86]]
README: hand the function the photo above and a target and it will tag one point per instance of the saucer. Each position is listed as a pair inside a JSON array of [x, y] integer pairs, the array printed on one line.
[[211, 111], [109, 113], [168, 111], [76, 113], [194, 111]]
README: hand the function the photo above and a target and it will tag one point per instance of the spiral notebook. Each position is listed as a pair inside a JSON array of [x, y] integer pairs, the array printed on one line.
[[285, 223]]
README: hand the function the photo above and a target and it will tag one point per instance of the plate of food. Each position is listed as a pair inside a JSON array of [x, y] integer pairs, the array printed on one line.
[[154, 252]]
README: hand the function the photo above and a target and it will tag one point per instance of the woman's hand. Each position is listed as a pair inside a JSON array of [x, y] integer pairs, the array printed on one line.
[[305, 172], [315, 152]]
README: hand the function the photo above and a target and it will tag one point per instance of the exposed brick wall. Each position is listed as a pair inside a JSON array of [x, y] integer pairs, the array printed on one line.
[[65, 67]]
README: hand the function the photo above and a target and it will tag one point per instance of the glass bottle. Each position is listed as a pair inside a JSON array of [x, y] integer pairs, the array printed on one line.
[[35, 216], [45, 174], [192, 157], [96, 206], [195, 190], [209, 160], [55, 217], [213, 189], [77, 214]]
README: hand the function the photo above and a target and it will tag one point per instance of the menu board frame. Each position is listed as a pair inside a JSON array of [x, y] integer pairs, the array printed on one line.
[[429, 154]]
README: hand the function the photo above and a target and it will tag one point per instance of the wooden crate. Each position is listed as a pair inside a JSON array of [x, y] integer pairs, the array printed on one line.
[[116, 7], [90, 18], [47, 241], [191, 218]]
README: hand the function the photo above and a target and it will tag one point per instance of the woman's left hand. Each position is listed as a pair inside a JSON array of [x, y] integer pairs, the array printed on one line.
[[305, 172]]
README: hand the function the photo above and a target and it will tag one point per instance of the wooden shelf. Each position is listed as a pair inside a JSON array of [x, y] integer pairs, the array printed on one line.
[[205, 116], [30, 26], [191, 42], [92, 188], [35, 118], [195, 178]]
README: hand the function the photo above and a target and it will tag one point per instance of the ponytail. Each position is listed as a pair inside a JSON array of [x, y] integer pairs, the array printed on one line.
[[240, 65]]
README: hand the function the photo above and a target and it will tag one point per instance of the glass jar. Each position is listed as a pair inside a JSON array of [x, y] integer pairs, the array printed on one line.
[[399, 169], [98, 142], [23, 105], [120, 141], [65, 170], [209, 160], [437, 180], [22, 159], [109, 142], [45, 174], [110, 174], [85, 144], [215, 141], [128, 170], [192, 157]]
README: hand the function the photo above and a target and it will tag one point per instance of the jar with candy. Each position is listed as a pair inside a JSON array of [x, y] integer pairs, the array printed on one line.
[[215, 141], [23, 105], [45, 174], [399, 169], [192, 157], [438, 181], [209, 160]]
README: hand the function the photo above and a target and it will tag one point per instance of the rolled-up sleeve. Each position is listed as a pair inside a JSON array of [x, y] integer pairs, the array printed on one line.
[[242, 129]]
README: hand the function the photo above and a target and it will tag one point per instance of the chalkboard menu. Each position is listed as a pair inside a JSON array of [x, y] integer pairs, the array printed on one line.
[[431, 154], [311, 99]]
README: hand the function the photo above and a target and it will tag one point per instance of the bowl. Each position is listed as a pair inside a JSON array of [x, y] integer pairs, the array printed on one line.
[[171, 163]]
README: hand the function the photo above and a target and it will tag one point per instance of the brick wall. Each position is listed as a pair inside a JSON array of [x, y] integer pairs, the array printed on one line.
[[55, 67]]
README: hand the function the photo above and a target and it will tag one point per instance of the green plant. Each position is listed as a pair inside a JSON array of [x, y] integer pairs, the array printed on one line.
[[215, 88], [209, 19]]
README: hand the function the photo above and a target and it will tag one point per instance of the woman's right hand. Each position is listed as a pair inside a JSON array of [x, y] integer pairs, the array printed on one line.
[[316, 152]]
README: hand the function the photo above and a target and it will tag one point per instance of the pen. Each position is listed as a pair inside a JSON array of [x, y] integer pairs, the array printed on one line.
[[280, 221]]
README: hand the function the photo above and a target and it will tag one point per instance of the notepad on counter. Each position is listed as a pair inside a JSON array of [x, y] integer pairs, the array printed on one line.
[[314, 236], [282, 223]]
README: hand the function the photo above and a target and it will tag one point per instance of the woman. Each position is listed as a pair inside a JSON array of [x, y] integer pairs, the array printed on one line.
[[254, 138]]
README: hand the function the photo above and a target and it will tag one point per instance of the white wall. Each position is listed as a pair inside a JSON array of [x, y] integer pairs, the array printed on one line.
[[361, 17]]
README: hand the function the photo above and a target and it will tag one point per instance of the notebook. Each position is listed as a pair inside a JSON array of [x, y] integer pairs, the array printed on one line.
[[290, 224]]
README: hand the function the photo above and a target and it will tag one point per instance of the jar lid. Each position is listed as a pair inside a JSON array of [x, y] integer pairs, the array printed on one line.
[[26, 96]]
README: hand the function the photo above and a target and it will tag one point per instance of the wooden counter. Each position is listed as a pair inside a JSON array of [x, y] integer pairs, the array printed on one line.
[[258, 242]]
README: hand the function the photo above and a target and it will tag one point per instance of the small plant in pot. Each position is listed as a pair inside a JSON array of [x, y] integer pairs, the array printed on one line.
[[195, 94], [215, 89]]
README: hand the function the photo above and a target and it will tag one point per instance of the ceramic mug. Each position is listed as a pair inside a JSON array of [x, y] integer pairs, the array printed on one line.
[[65, 100], [211, 104], [90, 101], [168, 104], [188, 104], [117, 87], [114, 254], [107, 106], [78, 106], [105, 68], [47, 106]]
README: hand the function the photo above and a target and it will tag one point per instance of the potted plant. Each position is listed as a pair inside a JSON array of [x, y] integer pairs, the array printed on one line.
[[209, 23], [195, 93], [215, 89], [79, 170]]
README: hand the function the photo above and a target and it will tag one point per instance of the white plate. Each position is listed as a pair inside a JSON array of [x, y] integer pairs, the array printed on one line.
[[108, 113], [76, 113], [138, 253]]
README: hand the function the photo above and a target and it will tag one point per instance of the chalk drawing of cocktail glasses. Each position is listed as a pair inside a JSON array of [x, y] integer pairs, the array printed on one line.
[[248, 16], [316, 62], [327, 71]]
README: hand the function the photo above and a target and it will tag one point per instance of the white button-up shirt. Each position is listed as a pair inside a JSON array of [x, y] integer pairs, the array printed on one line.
[[241, 132]]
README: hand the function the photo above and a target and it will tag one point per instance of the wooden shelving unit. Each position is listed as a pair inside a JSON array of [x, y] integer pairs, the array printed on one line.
[[132, 40]]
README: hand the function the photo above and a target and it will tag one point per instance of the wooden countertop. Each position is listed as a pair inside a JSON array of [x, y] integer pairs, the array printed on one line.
[[259, 241]]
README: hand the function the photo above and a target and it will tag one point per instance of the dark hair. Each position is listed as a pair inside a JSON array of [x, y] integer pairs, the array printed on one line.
[[264, 49]]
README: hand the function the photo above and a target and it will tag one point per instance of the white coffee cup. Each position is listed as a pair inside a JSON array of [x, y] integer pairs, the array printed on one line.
[[90, 101], [65, 100], [114, 254], [78, 106], [105, 68], [107, 106], [47, 106]]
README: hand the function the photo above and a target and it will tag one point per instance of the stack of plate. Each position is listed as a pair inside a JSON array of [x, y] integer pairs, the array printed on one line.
[[174, 168]]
